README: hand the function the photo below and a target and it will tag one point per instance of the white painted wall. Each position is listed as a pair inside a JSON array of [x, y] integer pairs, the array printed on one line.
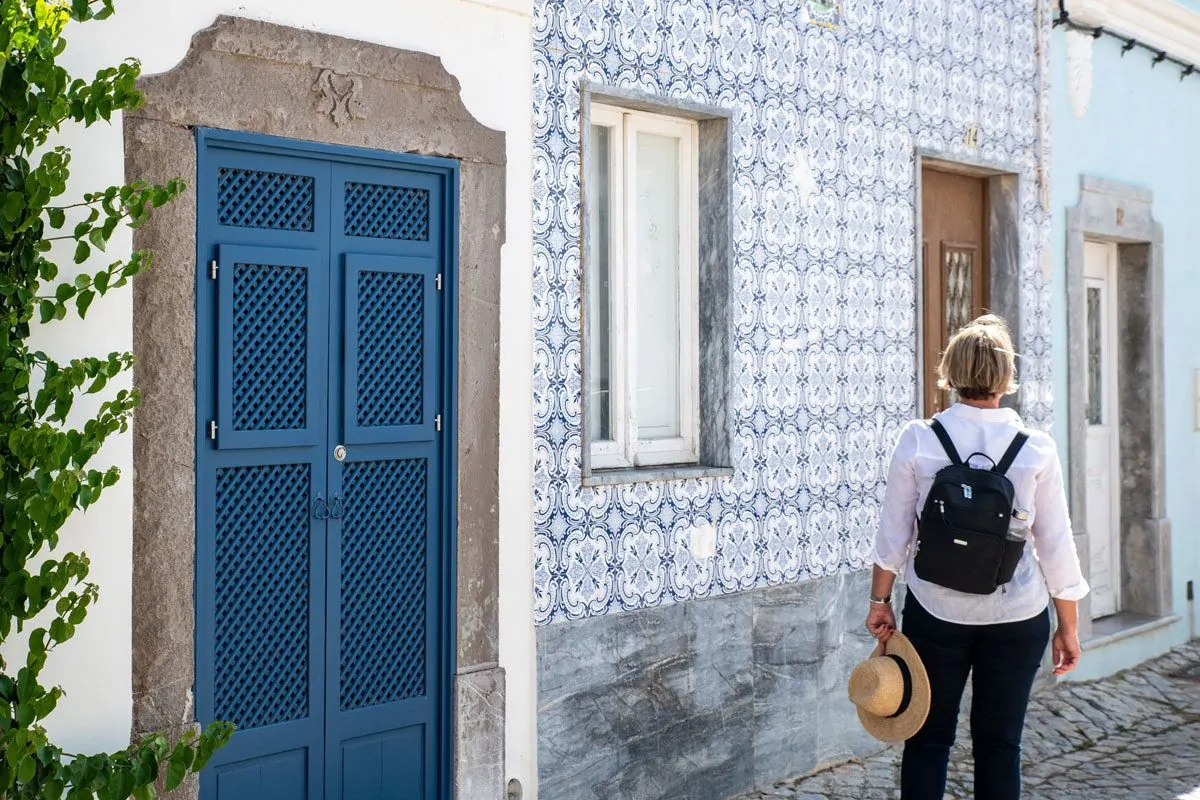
[[486, 45]]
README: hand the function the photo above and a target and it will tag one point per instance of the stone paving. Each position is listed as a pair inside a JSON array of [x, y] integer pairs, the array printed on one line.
[[1134, 735]]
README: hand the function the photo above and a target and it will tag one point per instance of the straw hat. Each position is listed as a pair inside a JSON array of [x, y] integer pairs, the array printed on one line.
[[891, 690]]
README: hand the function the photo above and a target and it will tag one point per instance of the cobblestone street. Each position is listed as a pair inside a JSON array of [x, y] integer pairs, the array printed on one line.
[[1135, 735]]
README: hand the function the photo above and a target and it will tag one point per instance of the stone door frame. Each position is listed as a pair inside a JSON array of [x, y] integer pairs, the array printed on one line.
[[1122, 214], [246, 75]]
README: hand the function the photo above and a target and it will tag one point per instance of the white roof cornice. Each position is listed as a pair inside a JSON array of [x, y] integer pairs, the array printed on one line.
[[1161, 24]]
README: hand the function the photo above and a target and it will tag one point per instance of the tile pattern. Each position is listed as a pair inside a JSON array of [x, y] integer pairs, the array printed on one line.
[[825, 126]]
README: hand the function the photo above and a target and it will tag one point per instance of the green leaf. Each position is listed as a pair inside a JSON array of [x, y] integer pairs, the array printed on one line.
[[177, 768], [27, 769], [14, 206], [58, 217], [84, 302], [82, 251]]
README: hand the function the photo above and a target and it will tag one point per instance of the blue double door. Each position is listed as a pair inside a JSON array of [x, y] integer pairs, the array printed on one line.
[[322, 600]]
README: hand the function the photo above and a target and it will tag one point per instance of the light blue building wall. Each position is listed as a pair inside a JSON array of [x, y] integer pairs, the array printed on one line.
[[1142, 127]]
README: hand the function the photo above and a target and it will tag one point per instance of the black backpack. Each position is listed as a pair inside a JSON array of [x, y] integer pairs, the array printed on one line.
[[962, 535]]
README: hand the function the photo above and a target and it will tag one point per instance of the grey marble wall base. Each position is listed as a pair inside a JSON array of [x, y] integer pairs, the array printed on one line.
[[702, 699], [479, 743]]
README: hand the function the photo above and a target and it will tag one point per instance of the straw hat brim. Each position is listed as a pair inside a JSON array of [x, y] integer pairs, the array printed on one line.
[[905, 726]]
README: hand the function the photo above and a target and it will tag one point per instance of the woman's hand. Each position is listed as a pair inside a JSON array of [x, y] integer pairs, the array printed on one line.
[[881, 621], [1065, 650]]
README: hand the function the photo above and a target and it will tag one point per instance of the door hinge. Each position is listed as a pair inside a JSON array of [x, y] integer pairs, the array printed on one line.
[[437, 422], [438, 280], [212, 429], [212, 269]]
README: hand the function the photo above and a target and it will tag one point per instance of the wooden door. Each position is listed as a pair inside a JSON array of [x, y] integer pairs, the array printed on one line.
[[954, 261], [323, 470]]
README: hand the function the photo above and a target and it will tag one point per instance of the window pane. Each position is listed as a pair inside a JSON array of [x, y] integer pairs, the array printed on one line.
[[1095, 387], [599, 333], [657, 276], [959, 308]]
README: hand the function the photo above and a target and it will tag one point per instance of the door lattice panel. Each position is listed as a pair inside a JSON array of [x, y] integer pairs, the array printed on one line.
[[959, 306], [262, 587], [387, 212], [391, 349], [270, 347], [383, 583], [273, 200]]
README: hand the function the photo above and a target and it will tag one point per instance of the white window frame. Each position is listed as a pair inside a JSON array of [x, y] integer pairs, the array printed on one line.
[[626, 449]]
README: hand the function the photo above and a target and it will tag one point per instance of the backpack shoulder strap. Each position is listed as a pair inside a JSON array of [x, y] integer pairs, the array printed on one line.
[[947, 442], [1010, 454]]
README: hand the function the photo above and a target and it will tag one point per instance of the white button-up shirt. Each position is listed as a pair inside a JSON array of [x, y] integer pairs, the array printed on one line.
[[1050, 565]]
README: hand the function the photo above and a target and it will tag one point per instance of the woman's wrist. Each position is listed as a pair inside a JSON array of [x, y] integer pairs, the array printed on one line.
[[1067, 614], [882, 583]]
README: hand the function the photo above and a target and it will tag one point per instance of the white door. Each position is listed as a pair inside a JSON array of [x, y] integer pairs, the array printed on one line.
[[1103, 497]]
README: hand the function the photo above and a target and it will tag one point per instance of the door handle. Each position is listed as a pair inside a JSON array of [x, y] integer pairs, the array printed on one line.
[[336, 507], [320, 509]]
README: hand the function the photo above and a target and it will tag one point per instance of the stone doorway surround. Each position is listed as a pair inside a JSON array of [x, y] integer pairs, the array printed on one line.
[[1119, 213], [246, 75]]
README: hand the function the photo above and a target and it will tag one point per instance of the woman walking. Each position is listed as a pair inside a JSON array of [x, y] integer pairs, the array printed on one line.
[[978, 597]]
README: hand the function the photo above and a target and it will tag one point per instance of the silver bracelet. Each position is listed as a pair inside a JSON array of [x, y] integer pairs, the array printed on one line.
[[881, 601]]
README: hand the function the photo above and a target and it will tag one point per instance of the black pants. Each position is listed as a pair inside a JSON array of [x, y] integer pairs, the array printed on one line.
[[1004, 661]]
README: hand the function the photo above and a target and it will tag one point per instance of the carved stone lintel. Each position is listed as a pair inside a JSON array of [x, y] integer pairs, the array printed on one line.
[[1079, 71], [339, 96]]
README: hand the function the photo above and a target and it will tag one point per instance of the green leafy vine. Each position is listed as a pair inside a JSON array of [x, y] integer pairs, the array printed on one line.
[[45, 456]]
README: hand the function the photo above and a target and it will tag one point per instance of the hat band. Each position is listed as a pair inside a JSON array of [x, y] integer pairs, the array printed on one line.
[[908, 684]]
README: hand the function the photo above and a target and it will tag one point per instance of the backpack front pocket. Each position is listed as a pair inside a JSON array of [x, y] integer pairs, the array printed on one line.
[[958, 559]]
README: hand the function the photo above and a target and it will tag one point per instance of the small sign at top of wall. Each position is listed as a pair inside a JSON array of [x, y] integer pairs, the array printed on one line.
[[972, 137], [826, 13], [1120, 216]]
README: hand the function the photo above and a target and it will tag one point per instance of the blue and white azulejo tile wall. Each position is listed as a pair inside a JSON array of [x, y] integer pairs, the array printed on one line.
[[826, 122]]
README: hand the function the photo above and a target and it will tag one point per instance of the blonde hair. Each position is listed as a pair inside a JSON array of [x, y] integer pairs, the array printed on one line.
[[979, 362]]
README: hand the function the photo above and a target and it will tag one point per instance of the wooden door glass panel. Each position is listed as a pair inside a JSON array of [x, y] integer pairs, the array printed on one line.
[[958, 297], [1095, 373]]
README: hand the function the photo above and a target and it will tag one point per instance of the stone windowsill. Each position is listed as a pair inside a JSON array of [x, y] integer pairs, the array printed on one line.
[[613, 477]]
